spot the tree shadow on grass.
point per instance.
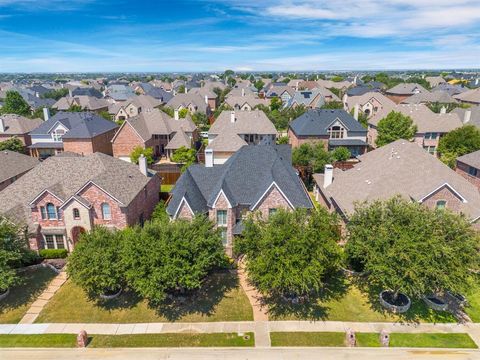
(311, 308)
(32, 284)
(128, 299)
(418, 312)
(202, 301)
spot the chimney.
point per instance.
(175, 114)
(70, 92)
(46, 113)
(467, 116)
(443, 110)
(185, 89)
(208, 157)
(37, 94)
(328, 175)
(206, 99)
(296, 85)
(232, 117)
(355, 111)
(142, 164)
(2, 125)
(243, 92)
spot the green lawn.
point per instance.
(221, 299)
(166, 188)
(473, 308)
(432, 340)
(141, 340)
(41, 340)
(16, 304)
(372, 340)
(346, 302)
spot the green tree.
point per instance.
(228, 73)
(221, 94)
(38, 113)
(138, 150)
(55, 94)
(395, 126)
(171, 257)
(11, 246)
(105, 114)
(231, 82)
(15, 104)
(259, 84)
(275, 103)
(160, 212)
(337, 78)
(332, 105)
(406, 247)
(290, 253)
(282, 140)
(13, 144)
(75, 108)
(341, 153)
(184, 156)
(95, 263)
(182, 113)
(181, 89)
(168, 110)
(458, 142)
(200, 119)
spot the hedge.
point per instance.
(53, 253)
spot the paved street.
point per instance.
(237, 354)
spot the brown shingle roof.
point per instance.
(14, 164)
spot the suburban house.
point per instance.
(14, 165)
(155, 92)
(256, 178)
(430, 126)
(68, 194)
(329, 84)
(12, 125)
(133, 106)
(312, 99)
(451, 89)
(234, 129)
(441, 97)
(245, 102)
(469, 97)
(79, 132)
(154, 129)
(190, 101)
(86, 91)
(333, 128)
(89, 103)
(435, 80)
(402, 91)
(399, 168)
(468, 166)
(285, 93)
(328, 94)
(369, 103)
(118, 92)
(209, 96)
(470, 116)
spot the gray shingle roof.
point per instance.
(316, 122)
(14, 164)
(246, 122)
(472, 159)
(244, 178)
(81, 125)
(406, 89)
(19, 125)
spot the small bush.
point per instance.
(29, 257)
(54, 253)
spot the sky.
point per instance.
(243, 35)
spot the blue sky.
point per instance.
(260, 35)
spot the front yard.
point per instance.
(16, 304)
(221, 299)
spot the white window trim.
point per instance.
(180, 206)
(438, 188)
(266, 192)
(54, 240)
(218, 196)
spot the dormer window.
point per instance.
(58, 134)
(336, 132)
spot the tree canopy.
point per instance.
(15, 104)
(403, 246)
(13, 144)
(458, 142)
(11, 245)
(138, 150)
(55, 94)
(315, 156)
(289, 253)
(332, 105)
(393, 127)
(184, 156)
(95, 263)
(281, 118)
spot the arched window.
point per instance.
(76, 214)
(51, 211)
(336, 132)
(441, 204)
(106, 214)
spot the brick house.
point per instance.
(68, 194)
(333, 128)
(193, 102)
(13, 166)
(430, 126)
(17, 126)
(257, 178)
(133, 107)
(400, 168)
(469, 167)
(79, 132)
(153, 129)
(369, 103)
(402, 91)
(89, 103)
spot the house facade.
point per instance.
(256, 179)
(66, 195)
(469, 167)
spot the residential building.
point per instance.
(88, 103)
(12, 125)
(153, 129)
(209, 96)
(245, 102)
(256, 178)
(69, 194)
(312, 99)
(79, 132)
(118, 92)
(400, 168)
(469, 97)
(133, 106)
(333, 128)
(14, 165)
(86, 91)
(402, 91)
(470, 116)
(439, 96)
(435, 80)
(430, 126)
(469, 167)
(369, 103)
(155, 92)
(234, 129)
(190, 101)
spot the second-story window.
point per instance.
(51, 211)
(441, 204)
(76, 214)
(106, 213)
(472, 171)
(336, 132)
(58, 134)
(222, 217)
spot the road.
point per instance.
(236, 354)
